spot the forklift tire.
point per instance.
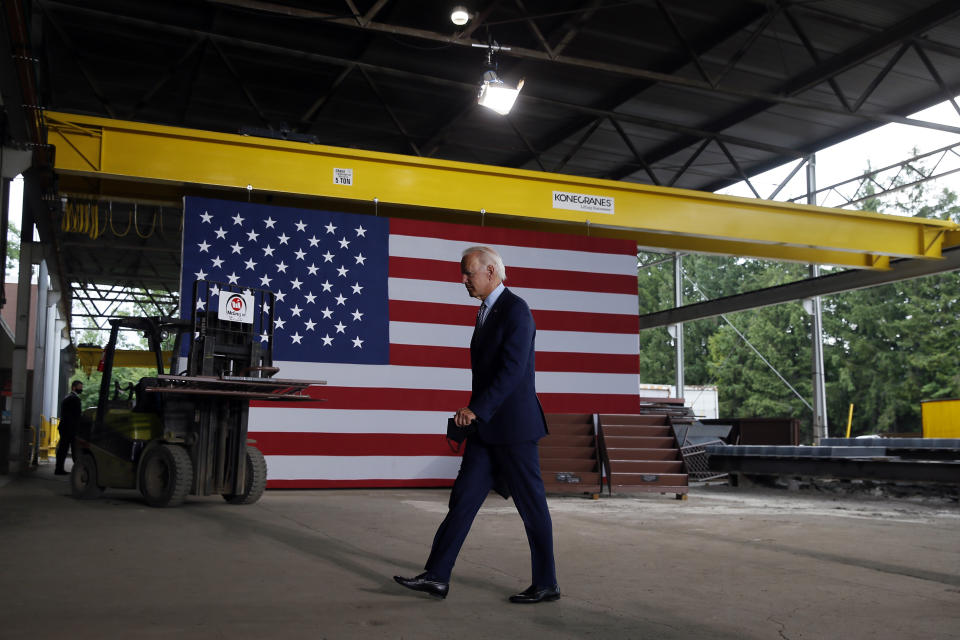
(256, 479)
(83, 478)
(166, 475)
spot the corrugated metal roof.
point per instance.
(688, 93)
(762, 79)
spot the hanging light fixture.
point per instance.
(495, 94)
(459, 16)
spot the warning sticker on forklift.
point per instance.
(236, 307)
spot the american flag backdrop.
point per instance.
(375, 307)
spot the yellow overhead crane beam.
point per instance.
(656, 217)
(89, 358)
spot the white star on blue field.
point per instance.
(327, 271)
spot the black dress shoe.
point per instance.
(61, 472)
(425, 584)
(536, 594)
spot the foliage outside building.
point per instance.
(886, 348)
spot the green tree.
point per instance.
(885, 348)
(656, 293)
(709, 277)
(13, 250)
(748, 386)
(89, 335)
(123, 375)
(890, 347)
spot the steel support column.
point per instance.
(4, 230)
(51, 368)
(816, 328)
(678, 328)
(40, 347)
(51, 378)
(18, 384)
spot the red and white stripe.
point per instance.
(383, 425)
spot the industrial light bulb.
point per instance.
(459, 16)
(496, 95)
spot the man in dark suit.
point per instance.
(70, 412)
(509, 422)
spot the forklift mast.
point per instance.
(210, 414)
(220, 346)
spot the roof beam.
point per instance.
(755, 33)
(571, 28)
(308, 118)
(591, 112)
(877, 79)
(876, 44)
(526, 142)
(942, 11)
(393, 116)
(534, 28)
(195, 47)
(808, 45)
(692, 54)
(885, 183)
(857, 54)
(622, 96)
(240, 83)
(739, 169)
(582, 141)
(72, 50)
(653, 216)
(635, 152)
(364, 20)
(947, 93)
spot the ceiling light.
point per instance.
(496, 95)
(459, 16)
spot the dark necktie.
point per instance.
(480, 314)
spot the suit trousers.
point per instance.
(65, 444)
(519, 465)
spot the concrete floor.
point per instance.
(726, 563)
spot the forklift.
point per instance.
(184, 431)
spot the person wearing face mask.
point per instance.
(70, 412)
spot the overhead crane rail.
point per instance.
(655, 217)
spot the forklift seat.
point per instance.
(146, 401)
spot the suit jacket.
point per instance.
(70, 413)
(504, 396)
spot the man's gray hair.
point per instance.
(489, 256)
